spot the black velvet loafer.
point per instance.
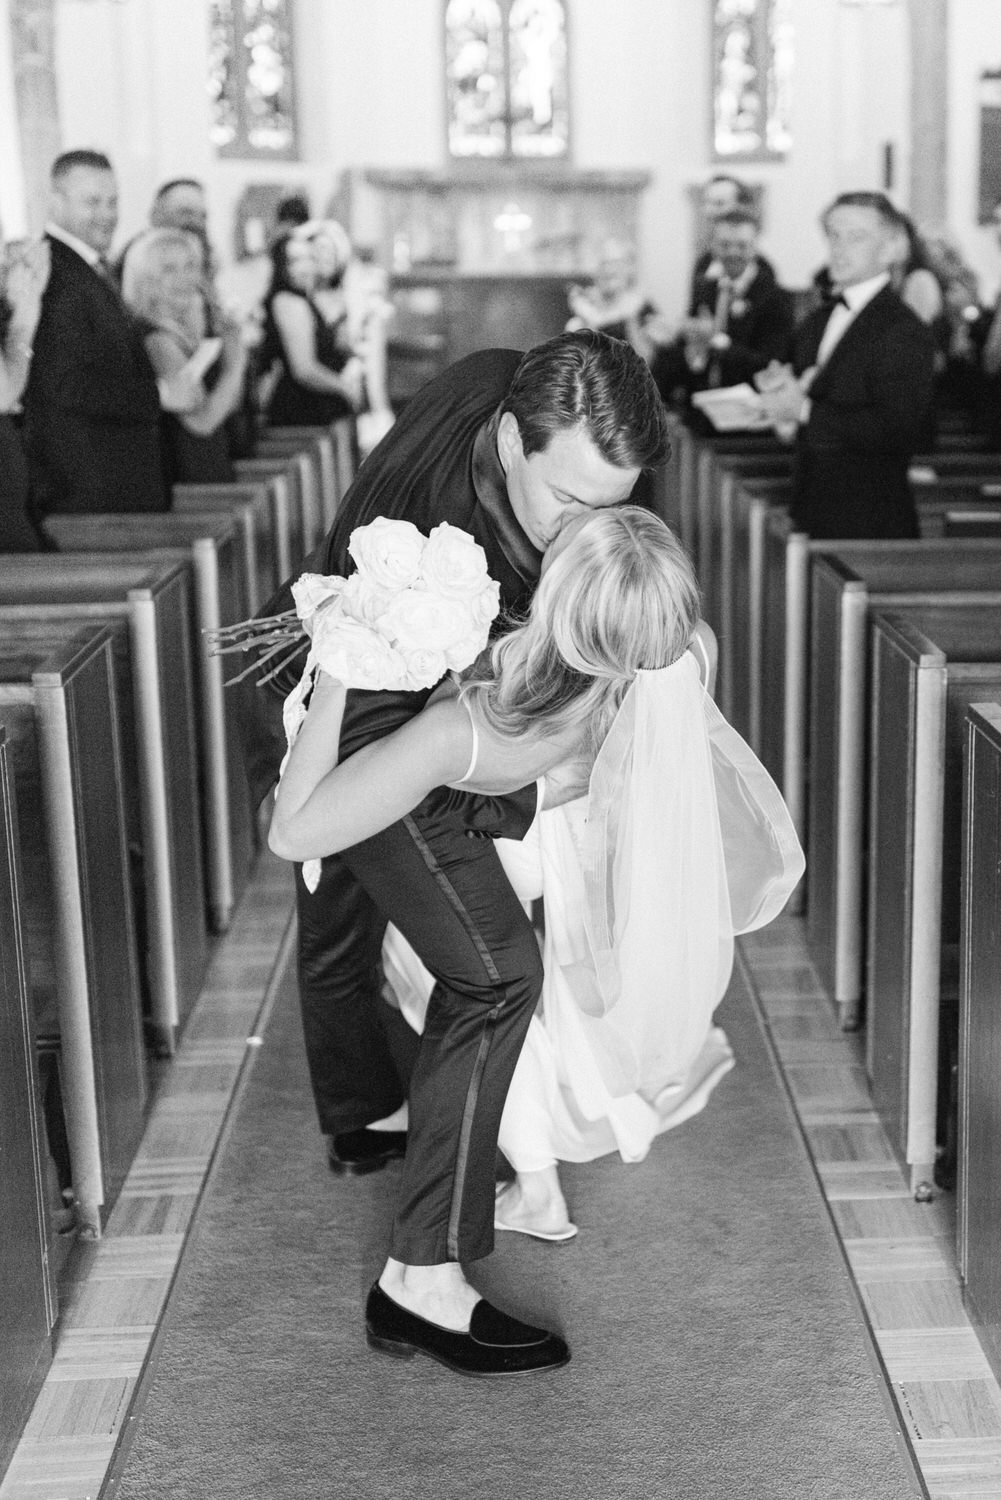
(355, 1152)
(496, 1343)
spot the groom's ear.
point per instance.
(509, 444)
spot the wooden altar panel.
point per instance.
(27, 1298)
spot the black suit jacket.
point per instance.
(759, 326)
(870, 409)
(91, 407)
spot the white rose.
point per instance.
(388, 553)
(357, 655)
(363, 600)
(486, 605)
(313, 592)
(463, 653)
(453, 563)
(425, 667)
(417, 619)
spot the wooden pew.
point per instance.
(27, 1293)
(737, 516)
(148, 609)
(250, 508)
(847, 585)
(59, 711)
(322, 440)
(928, 667)
(305, 452)
(207, 545)
(979, 1185)
(782, 691)
(282, 476)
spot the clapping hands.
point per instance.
(783, 395)
(25, 274)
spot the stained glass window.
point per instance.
(506, 79)
(250, 78)
(752, 78)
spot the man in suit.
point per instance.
(857, 398)
(739, 318)
(507, 447)
(91, 407)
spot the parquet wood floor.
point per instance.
(900, 1253)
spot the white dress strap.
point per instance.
(474, 756)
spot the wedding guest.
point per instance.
(991, 364)
(91, 405)
(613, 302)
(913, 275)
(858, 396)
(320, 377)
(24, 271)
(738, 321)
(508, 448)
(352, 296)
(200, 384)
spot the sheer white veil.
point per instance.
(687, 843)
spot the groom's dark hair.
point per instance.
(588, 379)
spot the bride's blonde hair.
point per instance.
(617, 595)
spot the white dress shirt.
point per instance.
(86, 252)
(844, 313)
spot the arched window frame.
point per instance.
(508, 151)
(754, 123)
(235, 30)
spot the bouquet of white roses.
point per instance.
(416, 608)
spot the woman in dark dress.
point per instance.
(24, 271)
(200, 378)
(320, 377)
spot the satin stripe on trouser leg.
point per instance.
(450, 898)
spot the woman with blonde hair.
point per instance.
(683, 841)
(200, 377)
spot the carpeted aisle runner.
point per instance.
(717, 1350)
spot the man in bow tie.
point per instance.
(91, 406)
(857, 397)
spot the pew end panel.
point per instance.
(27, 1292)
(208, 546)
(928, 666)
(846, 585)
(282, 478)
(158, 738)
(248, 506)
(321, 440)
(303, 453)
(979, 1186)
(61, 716)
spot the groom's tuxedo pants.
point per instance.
(448, 895)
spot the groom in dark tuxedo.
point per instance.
(91, 406)
(857, 399)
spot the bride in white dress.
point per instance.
(623, 1046)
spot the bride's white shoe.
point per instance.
(567, 1232)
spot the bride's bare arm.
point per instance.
(322, 807)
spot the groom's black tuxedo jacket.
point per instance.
(870, 409)
(91, 407)
(437, 463)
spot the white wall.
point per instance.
(13, 199)
(132, 79)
